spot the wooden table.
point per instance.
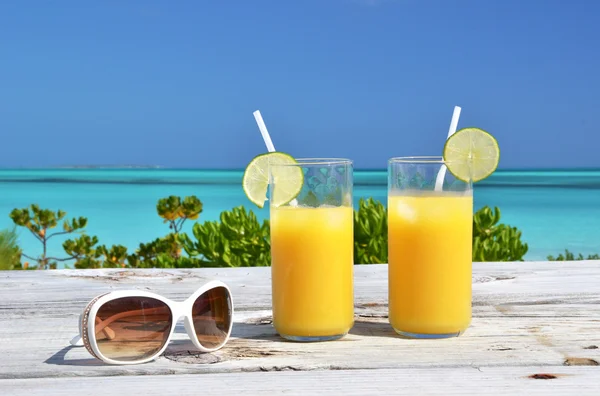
(536, 330)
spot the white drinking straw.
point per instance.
(439, 181)
(267, 138)
(263, 131)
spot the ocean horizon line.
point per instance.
(570, 178)
(167, 168)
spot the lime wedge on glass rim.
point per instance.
(471, 154)
(289, 179)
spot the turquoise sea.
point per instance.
(555, 209)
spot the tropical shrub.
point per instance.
(40, 221)
(237, 240)
(176, 211)
(166, 252)
(10, 254)
(113, 257)
(568, 256)
(83, 249)
(493, 241)
(370, 233)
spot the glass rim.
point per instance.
(317, 161)
(424, 159)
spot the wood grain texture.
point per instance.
(427, 381)
(542, 317)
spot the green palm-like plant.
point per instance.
(238, 240)
(40, 222)
(10, 253)
(493, 241)
(569, 256)
(370, 233)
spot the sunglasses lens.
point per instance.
(211, 314)
(132, 328)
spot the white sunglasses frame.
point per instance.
(178, 310)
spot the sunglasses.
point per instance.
(132, 327)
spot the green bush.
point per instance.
(40, 221)
(370, 233)
(493, 241)
(166, 252)
(82, 250)
(176, 211)
(568, 256)
(10, 254)
(237, 240)
(113, 257)
(163, 252)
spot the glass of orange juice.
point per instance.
(430, 227)
(312, 253)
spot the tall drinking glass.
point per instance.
(312, 253)
(429, 248)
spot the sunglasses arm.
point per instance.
(77, 340)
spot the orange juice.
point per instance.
(312, 270)
(430, 242)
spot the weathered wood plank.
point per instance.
(525, 314)
(427, 381)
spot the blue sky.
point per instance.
(174, 83)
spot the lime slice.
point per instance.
(471, 154)
(288, 179)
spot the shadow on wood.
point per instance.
(373, 329)
(59, 358)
